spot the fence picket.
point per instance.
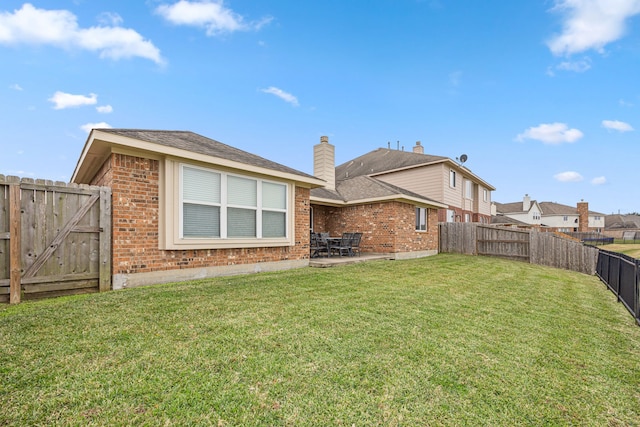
(55, 239)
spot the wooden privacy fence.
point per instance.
(55, 239)
(526, 245)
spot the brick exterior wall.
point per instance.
(583, 217)
(459, 216)
(386, 227)
(135, 207)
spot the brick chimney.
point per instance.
(583, 216)
(324, 162)
(418, 148)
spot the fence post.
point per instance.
(15, 253)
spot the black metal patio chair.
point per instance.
(343, 246)
(355, 243)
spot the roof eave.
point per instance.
(83, 170)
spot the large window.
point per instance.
(220, 205)
(421, 219)
(468, 189)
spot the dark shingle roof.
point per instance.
(501, 219)
(195, 143)
(382, 160)
(365, 187)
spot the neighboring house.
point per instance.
(185, 206)
(465, 196)
(616, 225)
(552, 216)
(393, 220)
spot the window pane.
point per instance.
(421, 219)
(273, 224)
(200, 221)
(242, 191)
(274, 196)
(241, 222)
(200, 185)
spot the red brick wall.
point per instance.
(134, 184)
(386, 227)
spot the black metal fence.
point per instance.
(591, 238)
(621, 274)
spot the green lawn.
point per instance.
(447, 340)
(631, 249)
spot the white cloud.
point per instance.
(59, 28)
(617, 125)
(66, 100)
(591, 24)
(88, 126)
(213, 16)
(624, 103)
(104, 109)
(599, 180)
(551, 133)
(282, 95)
(16, 86)
(575, 66)
(568, 176)
(109, 18)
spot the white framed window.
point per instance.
(452, 178)
(421, 219)
(565, 218)
(467, 218)
(221, 205)
(485, 195)
(451, 215)
(468, 189)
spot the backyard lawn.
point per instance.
(448, 340)
(631, 249)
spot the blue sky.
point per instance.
(543, 96)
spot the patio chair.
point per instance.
(355, 243)
(343, 246)
(318, 245)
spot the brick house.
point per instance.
(392, 219)
(185, 207)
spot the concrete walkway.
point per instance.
(324, 262)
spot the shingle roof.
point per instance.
(547, 208)
(502, 219)
(622, 221)
(193, 142)
(365, 187)
(382, 160)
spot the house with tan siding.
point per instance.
(466, 197)
(551, 216)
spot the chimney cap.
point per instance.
(324, 139)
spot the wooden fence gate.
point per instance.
(55, 239)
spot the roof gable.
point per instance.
(386, 160)
(383, 160)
